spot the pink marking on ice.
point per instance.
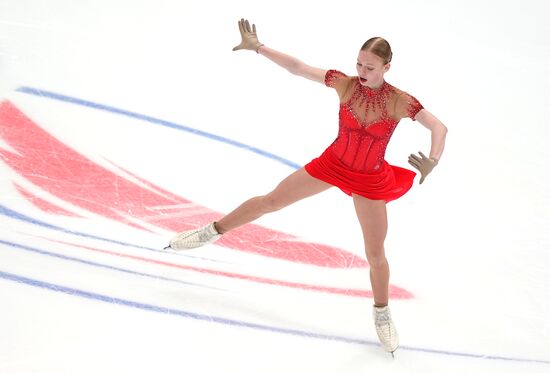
(43, 204)
(394, 291)
(61, 171)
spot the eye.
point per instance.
(370, 68)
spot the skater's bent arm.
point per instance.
(438, 129)
(293, 65)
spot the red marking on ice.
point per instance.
(394, 291)
(43, 204)
(61, 171)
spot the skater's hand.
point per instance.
(249, 39)
(423, 164)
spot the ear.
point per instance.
(387, 67)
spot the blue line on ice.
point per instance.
(235, 323)
(95, 264)
(19, 216)
(111, 109)
(27, 219)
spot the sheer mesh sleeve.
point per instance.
(333, 77)
(339, 81)
(407, 106)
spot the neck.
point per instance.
(373, 85)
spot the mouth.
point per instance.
(362, 80)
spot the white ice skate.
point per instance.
(194, 238)
(385, 328)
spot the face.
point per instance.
(371, 69)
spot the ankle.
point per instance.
(217, 228)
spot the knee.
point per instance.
(270, 203)
(376, 257)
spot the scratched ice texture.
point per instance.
(123, 122)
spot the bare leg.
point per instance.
(373, 218)
(296, 186)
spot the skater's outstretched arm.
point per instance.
(293, 65)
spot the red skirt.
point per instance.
(387, 183)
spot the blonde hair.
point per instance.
(379, 47)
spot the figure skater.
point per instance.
(370, 109)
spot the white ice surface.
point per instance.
(471, 244)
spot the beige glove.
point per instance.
(425, 165)
(249, 39)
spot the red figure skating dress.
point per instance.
(354, 162)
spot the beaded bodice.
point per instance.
(368, 118)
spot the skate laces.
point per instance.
(385, 328)
(206, 233)
(382, 317)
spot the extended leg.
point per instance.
(296, 186)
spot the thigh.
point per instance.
(373, 219)
(296, 186)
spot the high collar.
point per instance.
(383, 90)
